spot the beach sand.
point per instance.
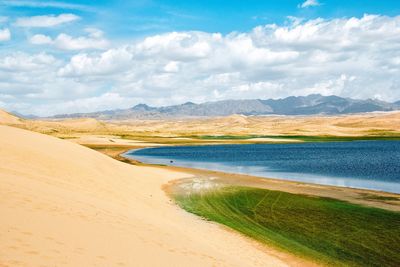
(63, 204)
(371, 198)
(365, 197)
(365, 124)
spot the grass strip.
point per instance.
(330, 231)
(303, 138)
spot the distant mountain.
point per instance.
(8, 118)
(300, 105)
(23, 116)
(331, 105)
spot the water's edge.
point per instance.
(377, 185)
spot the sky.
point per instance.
(61, 57)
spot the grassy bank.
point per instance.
(304, 138)
(330, 231)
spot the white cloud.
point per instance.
(45, 21)
(22, 62)
(354, 57)
(63, 41)
(178, 45)
(46, 4)
(40, 39)
(310, 3)
(5, 35)
(109, 62)
(172, 66)
(104, 101)
(67, 42)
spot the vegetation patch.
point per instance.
(303, 138)
(382, 198)
(330, 231)
(228, 137)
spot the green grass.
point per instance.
(227, 137)
(304, 138)
(382, 198)
(332, 232)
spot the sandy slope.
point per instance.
(7, 118)
(378, 123)
(65, 205)
(108, 140)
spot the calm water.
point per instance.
(364, 164)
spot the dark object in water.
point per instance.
(362, 164)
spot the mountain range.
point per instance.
(294, 105)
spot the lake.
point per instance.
(359, 164)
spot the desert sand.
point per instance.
(208, 178)
(367, 124)
(7, 118)
(63, 204)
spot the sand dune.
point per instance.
(347, 125)
(65, 205)
(7, 118)
(366, 124)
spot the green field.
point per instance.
(304, 138)
(332, 232)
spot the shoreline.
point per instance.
(204, 181)
(114, 209)
(115, 214)
(289, 259)
(384, 180)
(367, 197)
(371, 198)
(82, 189)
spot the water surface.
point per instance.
(360, 164)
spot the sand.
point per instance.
(365, 124)
(273, 140)
(107, 140)
(7, 118)
(371, 198)
(63, 204)
(383, 123)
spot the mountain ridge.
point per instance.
(314, 104)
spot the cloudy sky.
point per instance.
(77, 56)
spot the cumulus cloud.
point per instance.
(106, 101)
(45, 21)
(5, 35)
(67, 42)
(45, 4)
(354, 57)
(63, 41)
(172, 66)
(107, 63)
(22, 62)
(309, 3)
(178, 45)
(23, 75)
(40, 39)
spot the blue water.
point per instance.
(360, 164)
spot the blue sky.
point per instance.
(92, 55)
(126, 19)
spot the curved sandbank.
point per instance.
(367, 197)
(371, 165)
(63, 204)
